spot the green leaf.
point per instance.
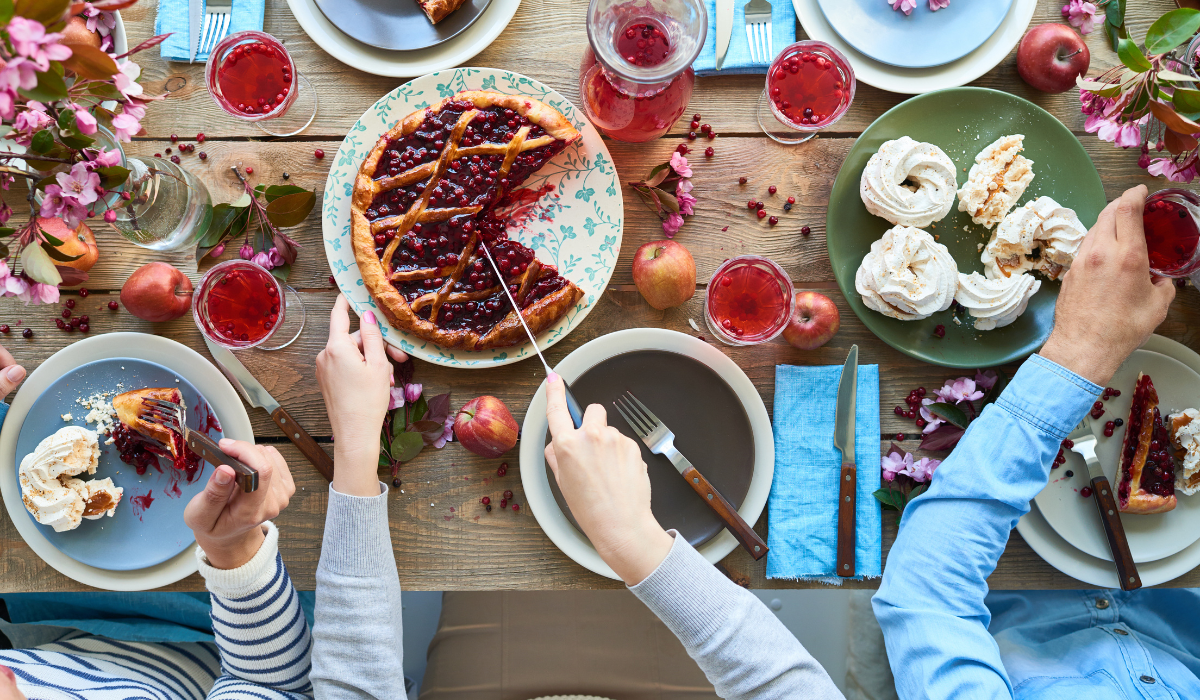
(243, 201)
(1186, 100)
(384, 459)
(58, 255)
(281, 272)
(44, 11)
(105, 91)
(76, 141)
(50, 88)
(1114, 13)
(42, 142)
(1177, 77)
(90, 62)
(6, 11)
(3, 250)
(6, 232)
(950, 413)
(112, 176)
(1132, 56)
(398, 425)
(36, 263)
(291, 209)
(1171, 30)
(274, 192)
(50, 238)
(419, 409)
(66, 119)
(406, 446)
(668, 201)
(890, 498)
(658, 174)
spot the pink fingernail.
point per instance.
(222, 477)
(551, 378)
(369, 317)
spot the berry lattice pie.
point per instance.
(1146, 480)
(130, 435)
(424, 203)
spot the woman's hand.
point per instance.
(11, 373)
(355, 377)
(227, 521)
(603, 478)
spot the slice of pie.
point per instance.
(424, 203)
(1146, 479)
(131, 433)
(1185, 440)
(438, 10)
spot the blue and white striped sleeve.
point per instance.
(259, 627)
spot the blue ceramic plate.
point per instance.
(920, 40)
(133, 538)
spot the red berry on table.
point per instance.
(174, 138)
(485, 500)
(695, 117)
(84, 327)
(706, 128)
(203, 155)
(712, 135)
(332, 280)
(791, 200)
(175, 160)
(200, 137)
(804, 230)
(772, 189)
(27, 333)
(939, 331)
(397, 483)
(694, 125)
(60, 323)
(158, 155)
(709, 152)
(83, 293)
(69, 303)
(762, 213)
(66, 313)
(682, 148)
(503, 503)
(773, 220)
(249, 170)
(507, 494)
(516, 507)
(319, 154)
(4, 328)
(899, 437)
(691, 136)
(741, 180)
(167, 150)
(112, 306)
(899, 410)
(762, 205)
(752, 204)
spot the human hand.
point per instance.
(1108, 304)
(603, 478)
(355, 377)
(11, 373)
(228, 522)
(8, 685)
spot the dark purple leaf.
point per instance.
(287, 247)
(71, 276)
(896, 449)
(404, 373)
(439, 408)
(944, 438)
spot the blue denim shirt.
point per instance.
(948, 638)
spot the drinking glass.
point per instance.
(1172, 222)
(242, 67)
(632, 88)
(168, 209)
(748, 301)
(237, 305)
(810, 85)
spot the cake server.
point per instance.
(256, 395)
(843, 439)
(572, 405)
(1084, 439)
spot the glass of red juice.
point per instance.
(252, 77)
(636, 76)
(1171, 219)
(748, 301)
(239, 304)
(810, 85)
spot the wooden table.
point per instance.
(442, 537)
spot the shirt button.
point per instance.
(1120, 631)
(1102, 603)
(1148, 679)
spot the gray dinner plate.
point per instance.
(398, 25)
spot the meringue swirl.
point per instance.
(996, 181)
(929, 172)
(50, 493)
(995, 303)
(1041, 224)
(907, 275)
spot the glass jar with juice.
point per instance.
(748, 301)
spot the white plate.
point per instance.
(1075, 519)
(402, 64)
(181, 359)
(533, 437)
(1058, 553)
(913, 81)
(576, 227)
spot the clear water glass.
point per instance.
(169, 208)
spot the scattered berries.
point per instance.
(1068, 443)
(762, 213)
(503, 503)
(1086, 492)
(682, 149)
(709, 152)
(507, 494)
(203, 155)
(286, 176)
(66, 313)
(396, 483)
(691, 136)
(489, 508)
(791, 200)
(249, 170)
(503, 469)
(939, 331)
(1119, 422)
(804, 230)
(4, 328)
(1109, 427)
(741, 180)
(705, 128)
(318, 154)
(200, 137)
(695, 117)
(773, 220)
(694, 125)
(516, 507)
(175, 160)
(27, 333)
(899, 437)
(69, 303)
(112, 306)
(712, 135)
(83, 293)
(485, 500)
(752, 204)
(772, 189)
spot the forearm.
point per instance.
(358, 649)
(740, 645)
(931, 601)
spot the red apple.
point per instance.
(1051, 56)
(815, 319)
(485, 427)
(664, 273)
(157, 292)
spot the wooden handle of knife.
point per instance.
(1127, 572)
(740, 529)
(312, 451)
(847, 534)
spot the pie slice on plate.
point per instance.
(425, 203)
(1146, 478)
(131, 435)
(438, 10)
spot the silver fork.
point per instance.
(661, 441)
(758, 30)
(170, 415)
(216, 24)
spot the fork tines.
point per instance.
(216, 25)
(637, 415)
(758, 30)
(162, 412)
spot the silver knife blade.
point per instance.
(240, 377)
(724, 29)
(195, 7)
(1084, 437)
(843, 426)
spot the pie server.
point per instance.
(1084, 439)
(572, 404)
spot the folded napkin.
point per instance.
(737, 61)
(174, 17)
(803, 507)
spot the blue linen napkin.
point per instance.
(803, 507)
(737, 61)
(173, 16)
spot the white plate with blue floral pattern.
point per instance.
(575, 226)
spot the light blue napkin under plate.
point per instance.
(173, 16)
(803, 507)
(737, 61)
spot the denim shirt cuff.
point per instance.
(1049, 396)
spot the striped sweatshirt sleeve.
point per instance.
(259, 627)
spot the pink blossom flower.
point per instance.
(19, 73)
(29, 39)
(932, 421)
(672, 224)
(98, 20)
(104, 158)
(56, 202)
(8, 103)
(84, 121)
(936, 5)
(80, 183)
(447, 432)
(10, 285)
(905, 6)
(39, 293)
(396, 398)
(1175, 172)
(274, 256)
(29, 122)
(412, 392)
(893, 463)
(922, 470)
(680, 165)
(986, 379)
(246, 252)
(1080, 14)
(959, 390)
(683, 194)
(126, 80)
(263, 260)
(125, 126)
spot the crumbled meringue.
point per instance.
(1185, 438)
(48, 488)
(996, 181)
(1042, 225)
(909, 183)
(907, 275)
(995, 303)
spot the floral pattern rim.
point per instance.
(576, 225)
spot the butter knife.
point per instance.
(724, 29)
(256, 395)
(195, 8)
(843, 439)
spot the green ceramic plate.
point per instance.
(962, 121)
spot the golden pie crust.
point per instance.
(438, 10)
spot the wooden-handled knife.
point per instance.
(843, 439)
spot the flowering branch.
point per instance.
(667, 190)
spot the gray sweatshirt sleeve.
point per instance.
(743, 649)
(358, 644)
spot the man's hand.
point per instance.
(228, 522)
(11, 373)
(1108, 304)
(605, 483)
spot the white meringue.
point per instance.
(929, 195)
(1186, 437)
(50, 493)
(1041, 225)
(996, 181)
(995, 303)
(907, 275)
